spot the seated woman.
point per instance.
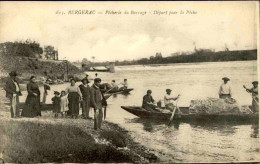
(148, 102)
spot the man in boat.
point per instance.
(113, 85)
(225, 89)
(169, 101)
(96, 103)
(124, 85)
(255, 98)
(148, 102)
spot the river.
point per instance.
(185, 142)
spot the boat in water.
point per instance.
(119, 91)
(186, 116)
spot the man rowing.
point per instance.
(169, 100)
(114, 86)
(225, 89)
(255, 98)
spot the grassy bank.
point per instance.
(48, 139)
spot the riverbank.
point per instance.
(49, 139)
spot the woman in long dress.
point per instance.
(74, 97)
(32, 103)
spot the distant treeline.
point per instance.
(197, 56)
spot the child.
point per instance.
(63, 103)
(56, 100)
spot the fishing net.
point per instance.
(215, 106)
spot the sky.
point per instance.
(130, 36)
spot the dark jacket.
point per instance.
(11, 89)
(147, 99)
(85, 92)
(33, 88)
(95, 97)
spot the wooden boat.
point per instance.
(120, 91)
(142, 113)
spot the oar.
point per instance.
(111, 88)
(252, 96)
(173, 112)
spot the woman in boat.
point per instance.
(74, 97)
(255, 98)
(32, 103)
(148, 101)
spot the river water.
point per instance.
(185, 142)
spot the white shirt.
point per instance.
(16, 86)
(225, 89)
(125, 84)
(166, 101)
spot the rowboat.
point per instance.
(186, 116)
(120, 91)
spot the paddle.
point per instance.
(111, 88)
(173, 112)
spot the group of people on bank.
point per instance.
(225, 92)
(66, 103)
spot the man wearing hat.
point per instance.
(85, 90)
(225, 89)
(96, 103)
(255, 98)
(13, 92)
(169, 100)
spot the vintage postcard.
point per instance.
(129, 82)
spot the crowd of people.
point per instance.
(67, 103)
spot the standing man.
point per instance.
(169, 100)
(225, 89)
(96, 103)
(255, 97)
(46, 87)
(13, 92)
(85, 90)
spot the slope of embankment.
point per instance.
(26, 67)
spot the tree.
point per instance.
(26, 48)
(50, 53)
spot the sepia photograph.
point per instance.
(129, 82)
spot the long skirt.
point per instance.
(32, 106)
(85, 107)
(73, 99)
